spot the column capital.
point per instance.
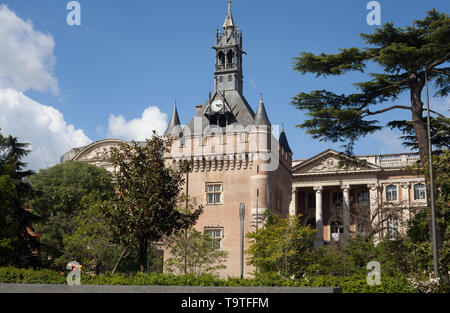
(345, 186)
(318, 188)
(373, 186)
(405, 184)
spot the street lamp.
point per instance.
(241, 216)
(433, 213)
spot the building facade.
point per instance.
(237, 160)
(235, 157)
(375, 197)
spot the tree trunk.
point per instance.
(142, 254)
(121, 257)
(420, 127)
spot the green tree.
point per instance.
(194, 253)
(7, 238)
(62, 196)
(143, 207)
(15, 219)
(420, 224)
(283, 246)
(405, 55)
(439, 131)
(332, 260)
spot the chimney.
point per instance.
(198, 108)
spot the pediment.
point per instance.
(97, 151)
(329, 161)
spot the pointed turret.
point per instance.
(284, 142)
(261, 114)
(174, 127)
(229, 18)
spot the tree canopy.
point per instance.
(407, 58)
(18, 242)
(61, 193)
(143, 208)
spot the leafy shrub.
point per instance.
(30, 276)
(350, 284)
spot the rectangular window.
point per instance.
(363, 199)
(393, 226)
(216, 234)
(213, 193)
(419, 192)
(337, 199)
(391, 193)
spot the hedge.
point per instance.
(350, 284)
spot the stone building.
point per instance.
(236, 159)
(235, 156)
(339, 201)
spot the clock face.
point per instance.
(217, 105)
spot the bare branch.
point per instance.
(437, 62)
(368, 112)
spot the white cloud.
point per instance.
(26, 62)
(26, 55)
(390, 141)
(140, 128)
(42, 126)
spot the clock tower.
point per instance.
(234, 155)
(228, 67)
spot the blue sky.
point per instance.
(128, 56)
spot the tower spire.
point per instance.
(174, 127)
(229, 18)
(261, 117)
(228, 68)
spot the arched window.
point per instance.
(419, 191)
(391, 193)
(230, 57)
(221, 58)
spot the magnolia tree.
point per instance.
(143, 208)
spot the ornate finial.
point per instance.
(229, 18)
(282, 126)
(260, 95)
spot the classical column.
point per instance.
(293, 205)
(346, 209)
(319, 216)
(374, 212)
